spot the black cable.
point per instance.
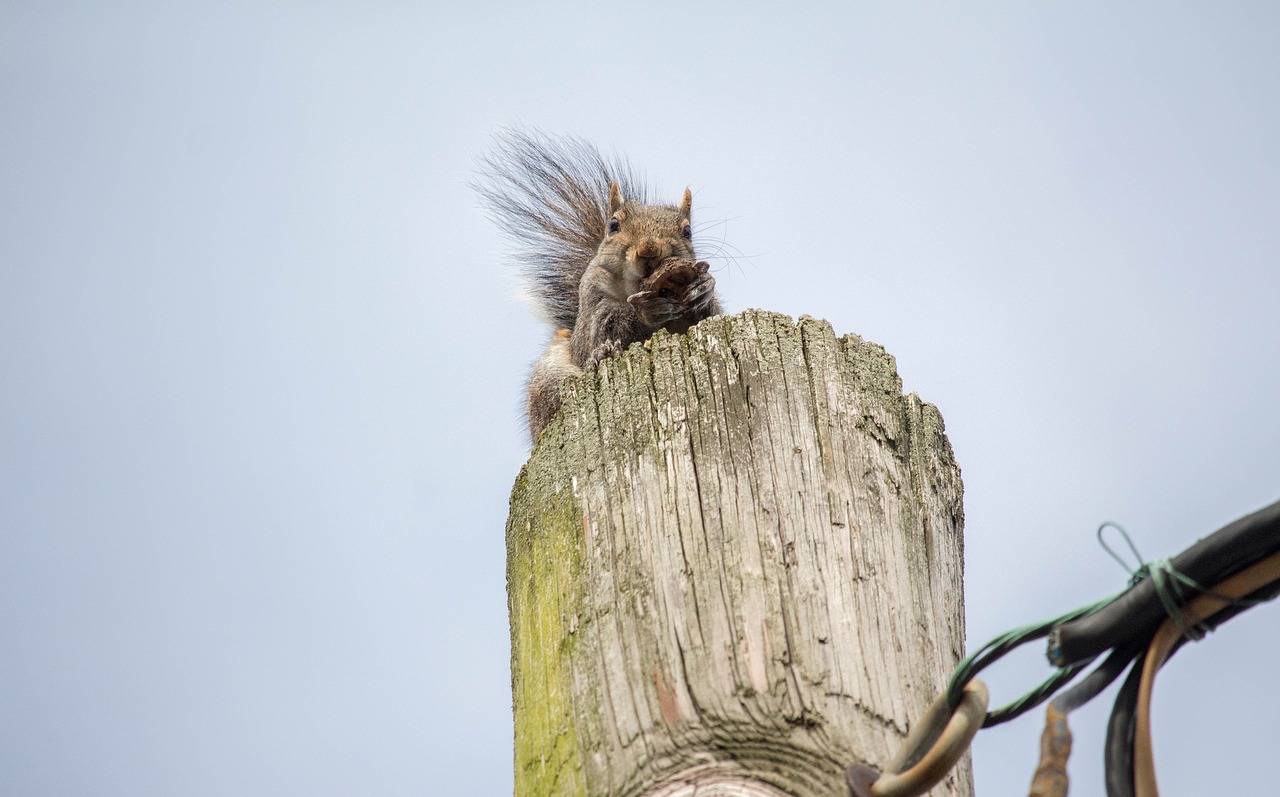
(1118, 753)
(1094, 682)
(1137, 613)
(1118, 748)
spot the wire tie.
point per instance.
(1172, 587)
(1136, 573)
(1176, 588)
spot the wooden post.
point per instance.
(734, 566)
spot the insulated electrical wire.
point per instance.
(1093, 683)
(1257, 576)
(1136, 614)
(1165, 605)
(1129, 762)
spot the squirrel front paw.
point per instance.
(606, 349)
(678, 290)
(655, 309)
(700, 295)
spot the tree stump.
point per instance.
(734, 565)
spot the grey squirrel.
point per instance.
(607, 267)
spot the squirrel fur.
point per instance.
(595, 253)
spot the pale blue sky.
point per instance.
(263, 359)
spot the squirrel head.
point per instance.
(638, 237)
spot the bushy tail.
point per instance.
(550, 194)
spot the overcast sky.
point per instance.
(262, 359)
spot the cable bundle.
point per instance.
(1168, 603)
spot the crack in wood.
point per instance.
(767, 586)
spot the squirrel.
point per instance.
(607, 267)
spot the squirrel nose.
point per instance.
(648, 253)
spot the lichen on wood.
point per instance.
(734, 565)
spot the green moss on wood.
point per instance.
(545, 600)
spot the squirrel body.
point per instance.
(608, 268)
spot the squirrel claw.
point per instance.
(702, 286)
(606, 349)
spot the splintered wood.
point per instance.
(734, 567)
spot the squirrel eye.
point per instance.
(614, 225)
(686, 231)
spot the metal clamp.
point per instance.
(930, 751)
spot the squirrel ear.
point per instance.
(686, 205)
(615, 198)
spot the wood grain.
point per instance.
(734, 567)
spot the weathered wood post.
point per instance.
(734, 564)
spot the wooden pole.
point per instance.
(734, 566)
